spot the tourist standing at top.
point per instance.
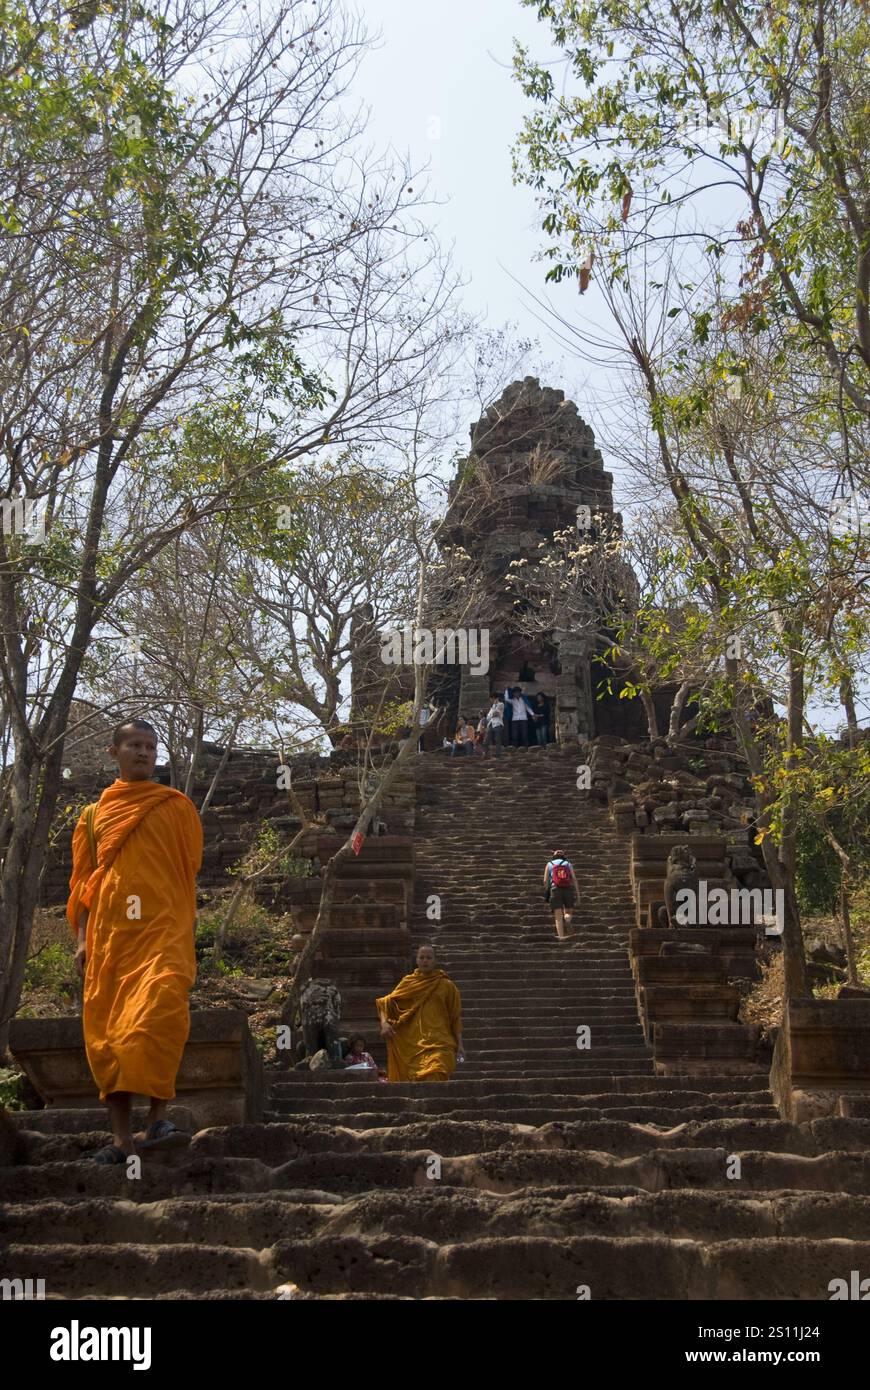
(561, 890)
(494, 725)
(522, 714)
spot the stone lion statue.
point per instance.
(681, 873)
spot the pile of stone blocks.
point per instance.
(654, 788)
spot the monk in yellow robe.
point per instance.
(421, 1020)
(132, 905)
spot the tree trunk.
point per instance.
(305, 963)
(845, 914)
(221, 765)
(794, 958)
(34, 803)
(848, 939)
(847, 700)
(195, 751)
(245, 881)
(649, 705)
(677, 711)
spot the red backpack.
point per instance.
(560, 875)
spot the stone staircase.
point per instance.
(542, 1171)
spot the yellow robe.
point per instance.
(427, 1017)
(139, 969)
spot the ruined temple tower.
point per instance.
(532, 464)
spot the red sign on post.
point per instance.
(356, 843)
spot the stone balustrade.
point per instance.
(220, 1080)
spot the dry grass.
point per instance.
(50, 926)
(543, 468)
(763, 1004)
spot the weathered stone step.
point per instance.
(581, 981)
(580, 1063)
(340, 1104)
(568, 964)
(480, 1000)
(505, 1266)
(532, 1056)
(543, 1035)
(582, 948)
(510, 1020)
(504, 1171)
(562, 1082)
(277, 1144)
(96, 1270)
(519, 866)
(525, 1114)
(572, 988)
(558, 1013)
(257, 1222)
(85, 1120)
(562, 1005)
(539, 1050)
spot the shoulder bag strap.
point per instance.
(90, 812)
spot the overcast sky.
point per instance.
(440, 87)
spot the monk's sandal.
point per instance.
(110, 1154)
(164, 1135)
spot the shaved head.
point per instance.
(134, 748)
(119, 729)
(425, 959)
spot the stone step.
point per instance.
(579, 980)
(579, 1061)
(278, 1144)
(524, 1113)
(508, 1016)
(90, 1119)
(546, 1048)
(339, 1103)
(249, 1221)
(583, 946)
(563, 1083)
(543, 1032)
(480, 1000)
(505, 1171)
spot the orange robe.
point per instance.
(139, 969)
(426, 1013)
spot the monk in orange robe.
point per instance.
(421, 1020)
(132, 905)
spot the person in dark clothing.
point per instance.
(541, 718)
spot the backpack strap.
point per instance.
(90, 812)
